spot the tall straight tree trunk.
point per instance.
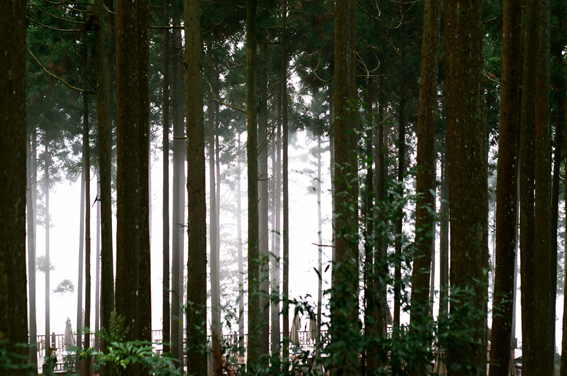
(31, 233)
(401, 111)
(263, 199)
(545, 261)
(165, 199)
(507, 190)
(344, 293)
(444, 237)
(379, 311)
(178, 212)
(558, 151)
(285, 189)
(105, 165)
(144, 277)
(128, 173)
(240, 257)
(97, 266)
(320, 241)
(197, 229)
(530, 364)
(87, 219)
(563, 371)
(81, 266)
(47, 184)
(214, 246)
(425, 186)
(467, 153)
(252, 173)
(368, 231)
(276, 269)
(13, 302)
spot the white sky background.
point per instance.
(64, 204)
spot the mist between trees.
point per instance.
(413, 168)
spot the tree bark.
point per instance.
(344, 293)
(252, 172)
(165, 200)
(426, 184)
(128, 173)
(545, 261)
(285, 189)
(13, 302)
(87, 219)
(466, 146)
(506, 192)
(276, 268)
(264, 234)
(31, 234)
(105, 166)
(47, 185)
(144, 276)
(527, 173)
(240, 258)
(214, 246)
(178, 212)
(81, 267)
(444, 237)
(197, 228)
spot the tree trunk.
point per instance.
(368, 232)
(105, 167)
(545, 261)
(401, 111)
(87, 219)
(564, 328)
(165, 202)
(285, 189)
(31, 221)
(47, 184)
(214, 250)
(426, 184)
(13, 302)
(197, 228)
(444, 237)
(320, 241)
(240, 258)
(530, 364)
(506, 191)
(97, 265)
(80, 316)
(178, 220)
(128, 170)
(144, 276)
(344, 293)
(252, 172)
(467, 145)
(264, 234)
(276, 269)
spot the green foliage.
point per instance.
(12, 361)
(121, 353)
